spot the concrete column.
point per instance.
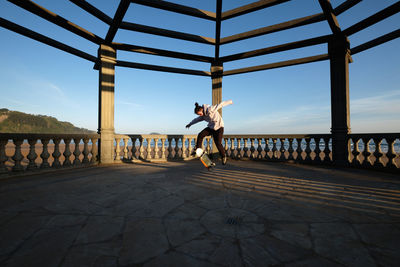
(339, 53)
(107, 56)
(216, 79)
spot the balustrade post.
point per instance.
(134, 149)
(252, 148)
(107, 56)
(378, 154)
(299, 150)
(266, 149)
(274, 149)
(17, 156)
(56, 153)
(184, 155)
(94, 152)
(327, 158)
(226, 147)
(282, 150)
(208, 145)
(117, 150)
(391, 155)
(156, 156)
(45, 154)
(245, 148)
(170, 148)
(290, 149)
(148, 155)
(3, 157)
(126, 157)
(85, 151)
(141, 148)
(317, 151)
(259, 148)
(356, 152)
(32, 154)
(67, 153)
(366, 154)
(232, 148)
(239, 149)
(190, 148)
(176, 148)
(163, 148)
(77, 151)
(339, 54)
(308, 150)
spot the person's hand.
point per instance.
(187, 126)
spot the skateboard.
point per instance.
(205, 159)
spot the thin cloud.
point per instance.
(135, 105)
(56, 89)
(386, 104)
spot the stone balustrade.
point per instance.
(375, 151)
(291, 148)
(299, 148)
(156, 147)
(19, 152)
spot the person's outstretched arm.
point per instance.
(221, 105)
(194, 121)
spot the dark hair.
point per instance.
(197, 107)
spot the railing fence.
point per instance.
(27, 152)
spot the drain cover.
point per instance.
(233, 220)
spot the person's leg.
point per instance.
(205, 132)
(217, 135)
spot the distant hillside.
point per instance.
(19, 122)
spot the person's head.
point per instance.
(198, 109)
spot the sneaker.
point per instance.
(224, 159)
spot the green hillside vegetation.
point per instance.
(19, 122)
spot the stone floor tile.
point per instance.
(254, 252)
(182, 231)
(100, 228)
(228, 253)
(202, 247)
(143, 239)
(46, 248)
(6, 216)
(296, 234)
(64, 220)
(187, 211)
(174, 259)
(213, 202)
(121, 208)
(382, 240)
(277, 249)
(98, 254)
(233, 223)
(314, 261)
(157, 208)
(338, 241)
(14, 233)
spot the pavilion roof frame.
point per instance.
(329, 14)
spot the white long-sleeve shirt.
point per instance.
(212, 116)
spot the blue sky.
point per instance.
(39, 79)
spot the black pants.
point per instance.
(217, 136)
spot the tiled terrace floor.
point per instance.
(180, 214)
